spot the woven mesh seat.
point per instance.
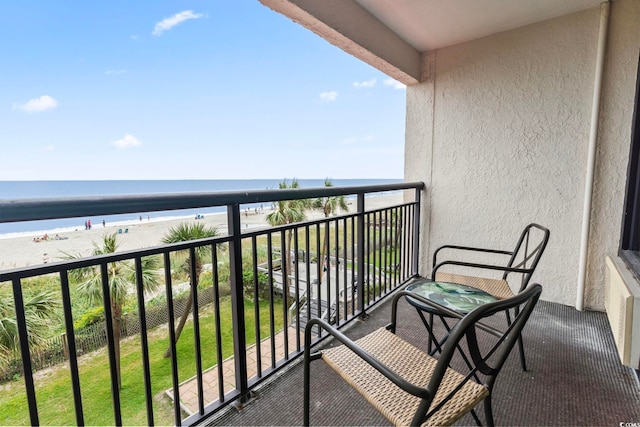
(499, 288)
(403, 358)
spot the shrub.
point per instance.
(90, 317)
(248, 285)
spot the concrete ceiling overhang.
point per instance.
(392, 35)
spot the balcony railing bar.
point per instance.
(345, 268)
(297, 288)
(108, 315)
(74, 207)
(285, 265)
(307, 257)
(405, 218)
(360, 249)
(272, 318)
(24, 347)
(237, 301)
(146, 367)
(196, 328)
(256, 304)
(319, 264)
(71, 340)
(216, 307)
(396, 242)
(337, 270)
(393, 257)
(353, 266)
(326, 270)
(172, 338)
(416, 228)
(381, 255)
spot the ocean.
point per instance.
(10, 190)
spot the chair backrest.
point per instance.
(526, 255)
(487, 356)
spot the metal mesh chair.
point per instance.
(408, 386)
(520, 263)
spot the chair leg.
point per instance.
(306, 380)
(488, 410)
(523, 361)
(430, 328)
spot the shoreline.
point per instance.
(24, 250)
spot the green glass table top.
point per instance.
(461, 298)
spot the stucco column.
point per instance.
(419, 145)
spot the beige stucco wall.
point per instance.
(499, 134)
(618, 94)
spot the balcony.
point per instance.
(256, 289)
(242, 345)
(574, 378)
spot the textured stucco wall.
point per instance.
(618, 92)
(419, 143)
(505, 120)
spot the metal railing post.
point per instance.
(26, 354)
(360, 251)
(237, 303)
(416, 235)
(111, 345)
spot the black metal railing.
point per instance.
(267, 284)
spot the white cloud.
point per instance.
(37, 105)
(394, 84)
(48, 148)
(367, 83)
(356, 140)
(178, 18)
(127, 142)
(114, 72)
(329, 96)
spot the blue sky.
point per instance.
(187, 90)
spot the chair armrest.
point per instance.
(375, 363)
(468, 248)
(480, 266)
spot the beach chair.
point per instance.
(410, 387)
(517, 265)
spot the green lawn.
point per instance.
(55, 396)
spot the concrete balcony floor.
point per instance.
(574, 378)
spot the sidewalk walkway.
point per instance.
(189, 388)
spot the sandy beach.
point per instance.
(24, 251)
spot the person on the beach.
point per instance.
(104, 224)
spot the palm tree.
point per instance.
(329, 206)
(182, 233)
(122, 278)
(288, 212)
(40, 310)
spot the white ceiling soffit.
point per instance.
(433, 24)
